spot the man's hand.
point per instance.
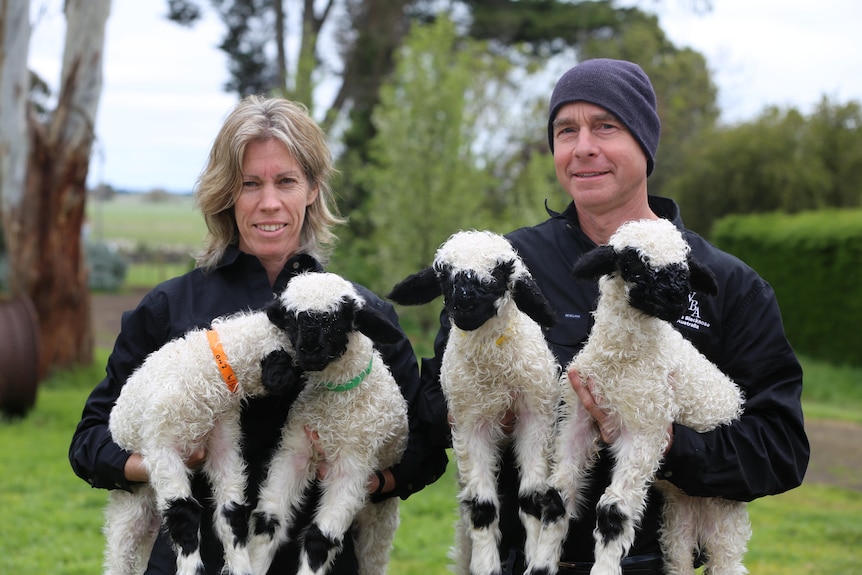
(608, 428)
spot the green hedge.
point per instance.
(814, 262)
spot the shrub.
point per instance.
(106, 266)
(813, 261)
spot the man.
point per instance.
(603, 129)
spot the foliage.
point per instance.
(821, 317)
(106, 267)
(54, 519)
(423, 180)
(425, 177)
(780, 161)
(547, 27)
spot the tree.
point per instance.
(45, 170)
(781, 161)
(424, 177)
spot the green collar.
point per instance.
(332, 386)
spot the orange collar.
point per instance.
(222, 363)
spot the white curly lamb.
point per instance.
(646, 375)
(496, 362)
(187, 395)
(356, 408)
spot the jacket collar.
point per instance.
(235, 258)
(663, 207)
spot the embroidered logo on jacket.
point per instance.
(692, 318)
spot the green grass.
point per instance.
(51, 520)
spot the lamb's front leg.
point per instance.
(226, 469)
(636, 459)
(290, 474)
(343, 494)
(477, 452)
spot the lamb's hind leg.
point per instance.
(226, 470)
(290, 474)
(679, 525)
(478, 459)
(575, 450)
(343, 494)
(180, 511)
(532, 443)
(376, 524)
(131, 526)
(620, 508)
(725, 530)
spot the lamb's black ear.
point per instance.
(417, 289)
(702, 278)
(530, 300)
(375, 325)
(597, 262)
(276, 313)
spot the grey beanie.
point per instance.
(620, 87)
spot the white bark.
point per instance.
(81, 76)
(14, 91)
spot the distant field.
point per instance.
(139, 224)
(171, 221)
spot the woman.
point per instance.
(266, 199)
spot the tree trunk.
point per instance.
(14, 90)
(46, 253)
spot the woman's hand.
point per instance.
(379, 482)
(137, 472)
(375, 487)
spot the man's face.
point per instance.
(598, 161)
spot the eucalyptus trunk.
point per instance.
(44, 212)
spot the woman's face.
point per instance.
(271, 207)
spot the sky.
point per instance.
(162, 99)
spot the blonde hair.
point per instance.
(220, 183)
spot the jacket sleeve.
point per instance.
(94, 456)
(766, 451)
(424, 461)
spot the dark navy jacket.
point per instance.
(191, 301)
(766, 452)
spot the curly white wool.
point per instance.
(175, 403)
(361, 429)
(646, 376)
(502, 367)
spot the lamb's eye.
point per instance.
(632, 267)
